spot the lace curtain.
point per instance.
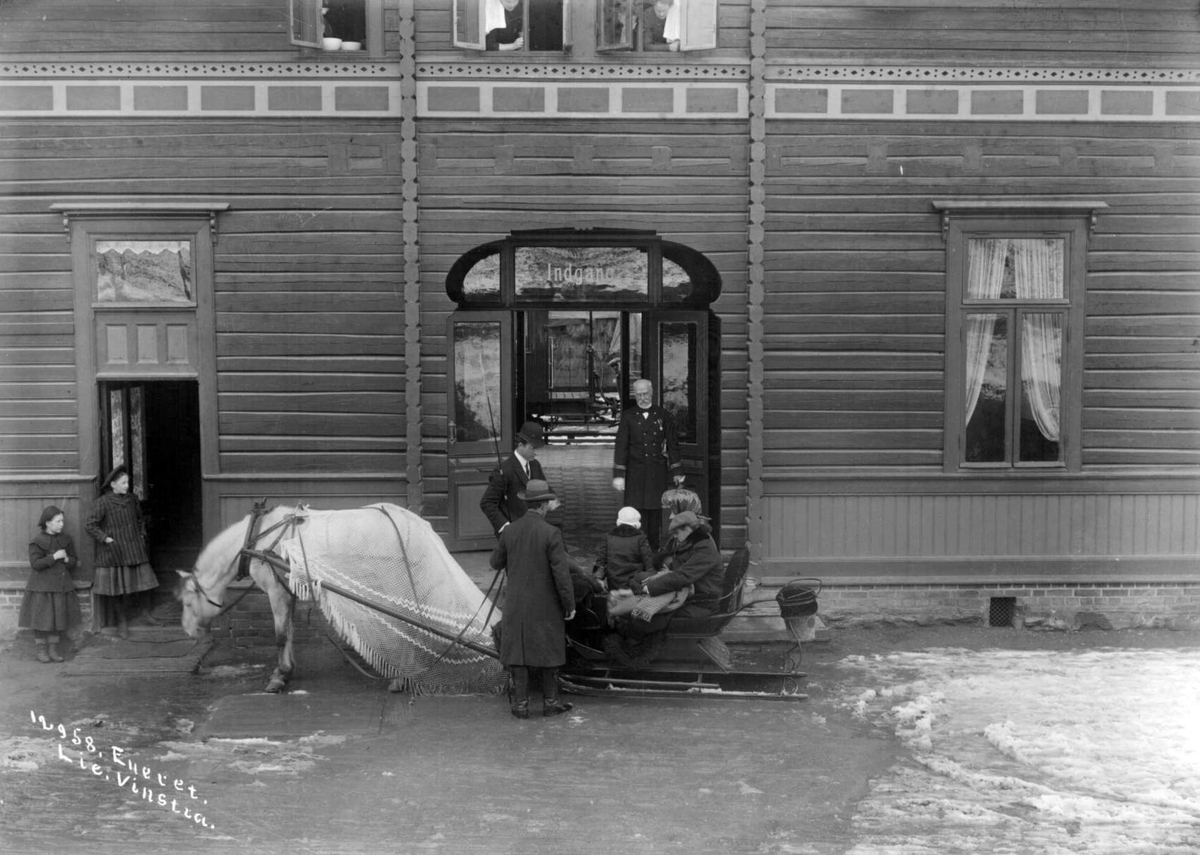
(1038, 267)
(985, 276)
(1038, 274)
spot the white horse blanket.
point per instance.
(389, 556)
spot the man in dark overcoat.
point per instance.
(501, 502)
(647, 450)
(539, 601)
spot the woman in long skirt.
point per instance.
(122, 561)
(50, 606)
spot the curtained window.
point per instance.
(1013, 381)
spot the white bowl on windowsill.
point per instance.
(351, 45)
(328, 43)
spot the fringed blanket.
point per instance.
(391, 557)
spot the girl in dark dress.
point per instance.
(50, 606)
(122, 562)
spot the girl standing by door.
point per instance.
(122, 562)
(50, 606)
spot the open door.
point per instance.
(677, 354)
(480, 432)
(153, 428)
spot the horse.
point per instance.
(382, 577)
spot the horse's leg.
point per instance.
(281, 610)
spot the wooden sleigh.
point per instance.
(690, 660)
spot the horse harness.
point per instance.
(248, 553)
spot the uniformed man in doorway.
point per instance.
(646, 455)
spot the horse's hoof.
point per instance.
(397, 685)
(275, 686)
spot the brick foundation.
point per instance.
(1104, 605)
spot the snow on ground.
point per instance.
(1092, 752)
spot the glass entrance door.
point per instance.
(480, 430)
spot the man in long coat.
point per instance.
(539, 601)
(501, 502)
(647, 449)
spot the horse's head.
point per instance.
(197, 609)
(201, 590)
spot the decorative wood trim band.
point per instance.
(582, 71)
(980, 74)
(626, 100)
(1066, 102)
(756, 284)
(337, 66)
(410, 213)
(191, 99)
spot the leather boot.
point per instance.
(521, 709)
(55, 656)
(553, 706)
(42, 655)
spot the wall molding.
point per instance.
(980, 74)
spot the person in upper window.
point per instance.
(505, 25)
(660, 23)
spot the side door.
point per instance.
(480, 431)
(676, 349)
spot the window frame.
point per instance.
(477, 10)
(307, 13)
(963, 222)
(698, 24)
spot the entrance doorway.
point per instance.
(153, 428)
(554, 326)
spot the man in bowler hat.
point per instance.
(539, 602)
(502, 503)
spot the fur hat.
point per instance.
(629, 516)
(684, 518)
(536, 491)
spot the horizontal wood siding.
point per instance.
(308, 292)
(856, 284)
(120, 28)
(1088, 33)
(38, 415)
(479, 181)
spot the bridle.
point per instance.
(248, 553)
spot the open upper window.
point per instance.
(512, 25)
(1014, 335)
(656, 25)
(354, 28)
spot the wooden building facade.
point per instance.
(933, 267)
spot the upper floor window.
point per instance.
(620, 25)
(1014, 345)
(351, 28)
(656, 25)
(512, 25)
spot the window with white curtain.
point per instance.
(1014, 342)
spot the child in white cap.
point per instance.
(625, 557)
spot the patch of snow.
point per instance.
(1092, 752)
